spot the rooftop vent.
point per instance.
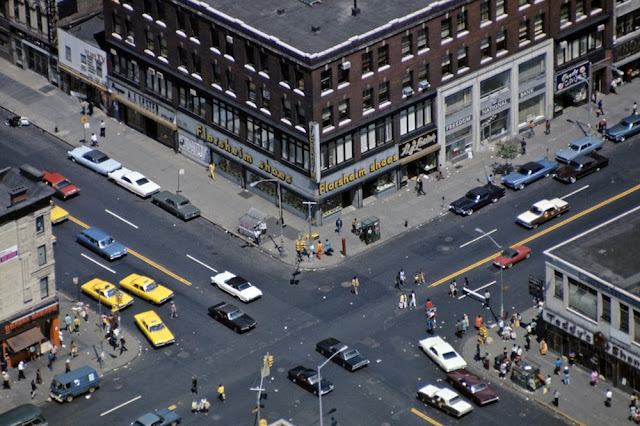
(18, 194)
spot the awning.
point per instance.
(118, 97)
(428, 150)
(26, 339)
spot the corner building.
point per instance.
(339, 102)
(592, 300)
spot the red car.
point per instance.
(510, 256)
(472, 386)
(64, 188)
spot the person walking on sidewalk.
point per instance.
(355, 283)
(567, 377)
(103, 129)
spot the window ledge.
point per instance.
(326, 92)
(367, 75)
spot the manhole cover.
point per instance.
(324, 289)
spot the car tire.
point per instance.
(69, 398)
(521, 186)
(510, 265)
(528, 255)
(572, 179)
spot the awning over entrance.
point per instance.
(26, 339)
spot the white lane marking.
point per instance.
(476, 239)
(478, 289)
(575, 192)
(97, 263)
(202, 263)
(121, 405)
(122, 219)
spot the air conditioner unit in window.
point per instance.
(423, 85)
(345, 65)
(407, 91)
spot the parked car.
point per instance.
(477, 198)
(163, 417)
(107, 293)
(627, 127)
(146, 288)
(96, 160)
(232, 317)
(442, 353)
(580, 167)
(154, 329)
(349, 358)
(64, 188)
(236, 286)
(541, 212)
(176, 204)
(582, 146)
(444, 399)
(308, 379)
(98, 241)
(529, 173)
(472, 387)
(135, 182)
(511, 256)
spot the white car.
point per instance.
(236, 286)
(442, 353)
(134, 182)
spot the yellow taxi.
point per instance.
(146, 288)
(154, 329)
(107, 293)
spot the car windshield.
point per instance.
(150, 287)
(449, 355)
(235, 314)
(350, 354)
(477, 387)
(535, 210)
(142, 181)
(63, 184)
(156, 327)
(110, 293)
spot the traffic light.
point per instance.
(270, 360)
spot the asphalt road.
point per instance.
(293, 317)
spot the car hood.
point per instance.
(527, 217)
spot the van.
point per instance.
(23, 415)
(69, 385)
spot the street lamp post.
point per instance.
(501, 268)
(252, 184)
(342, 349)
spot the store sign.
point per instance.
(458, 123)
(356, 174)
(8, 253)
(418, 144)
(239, 152)
(10, 326)
(626, 49)
(496, 104)
(573, 77)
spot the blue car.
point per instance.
(96, 160)
(627, 127)
(578, 148)
(529, 173)
(98, 241)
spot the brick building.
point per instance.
(29, 305)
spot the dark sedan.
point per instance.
(349, 359)
(477, 198)
(308, 379)
(232, 317)
(472, 387)
(580, 167)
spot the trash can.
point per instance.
(370, 229)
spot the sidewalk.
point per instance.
(579, 403)
(90, 343)
(26, 93)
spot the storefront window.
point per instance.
(583, 298)
(558, 285)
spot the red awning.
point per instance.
(25, 339)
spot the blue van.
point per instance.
(77, 382)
